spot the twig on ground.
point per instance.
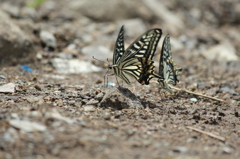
(198, 94)
(207, 133)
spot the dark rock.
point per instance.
(15, 44)
(120, 98)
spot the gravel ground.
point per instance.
(58, 111)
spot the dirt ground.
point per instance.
(54, 115)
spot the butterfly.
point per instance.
(167, 68)
(136, 60)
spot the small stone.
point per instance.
(38, 87)
(71, 101)
(28, 12)
(65, 55)
(221, 52)
(27, 126)
(32, 99)
(120, 98)
(58, 116)
(2, 77)
(226, 150)
(14, 116)
(11, 135)
(7, 88)
(93, 102)
(99, 96)
(89, 108)
(227, 89)
(107, 116)
(180, 149)
(193, 99)
(73, 66)
(212, 91)
(48, 39)
(12, 10)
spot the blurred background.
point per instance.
(62, 35)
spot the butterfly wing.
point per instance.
(119, 46)
(165, 54)
(167, 68)
(144, 46)
(147, 72)
(139, 68)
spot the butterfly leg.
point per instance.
(117, 81)
(106, 81)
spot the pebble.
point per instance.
(12, 10)
(38, 87)
(89, 108)
(93, 102)
(73, 66)
(11, 135)
(14, 116)
(181, 149)
(48, 38)
(65, 55)
(227, 89)
(193, 99)
(71, 101)
(221, 52)
(27, 126)
(2, 77)
(107, 116)
(32, 99)
(28, 12)
(7, 88)
(58, 116)
(226, 150)
(121, 98)
(99, 96)
(212, 91)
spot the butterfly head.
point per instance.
(110, 67)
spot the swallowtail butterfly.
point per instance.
(167, 68)
(136, 60)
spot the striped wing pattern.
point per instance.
(167, 68)
(143, 46)
(119, 46)
(136, 60)
(147, 72)
(131, 67)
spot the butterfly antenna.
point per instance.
(108, 61)
(100, 60)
